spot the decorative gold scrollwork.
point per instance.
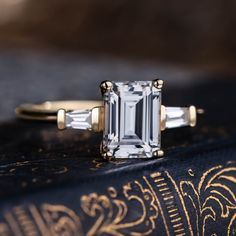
(110, 212)
(185, 207)
(61, 220)
(214, 197)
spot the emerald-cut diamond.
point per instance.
(132, 119)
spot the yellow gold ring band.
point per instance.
(47, 111)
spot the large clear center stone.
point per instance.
(132, 119)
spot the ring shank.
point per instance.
(48, 110)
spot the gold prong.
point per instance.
(105, 153)
(158, 153)
(106, 86)
(61, 119)
(158, 83)
(163, 118)
(192, 116)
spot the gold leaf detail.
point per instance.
(216, 190)
(110, 212)
(61, 220)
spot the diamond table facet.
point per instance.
(132, 119)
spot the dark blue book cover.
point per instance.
(55, 183)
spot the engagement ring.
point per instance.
(131, 117)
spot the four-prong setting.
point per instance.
(132, 118)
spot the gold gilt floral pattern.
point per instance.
(213, 199)
(153, 204)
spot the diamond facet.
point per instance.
(132, 119)
(177, 117)
(79, 119)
